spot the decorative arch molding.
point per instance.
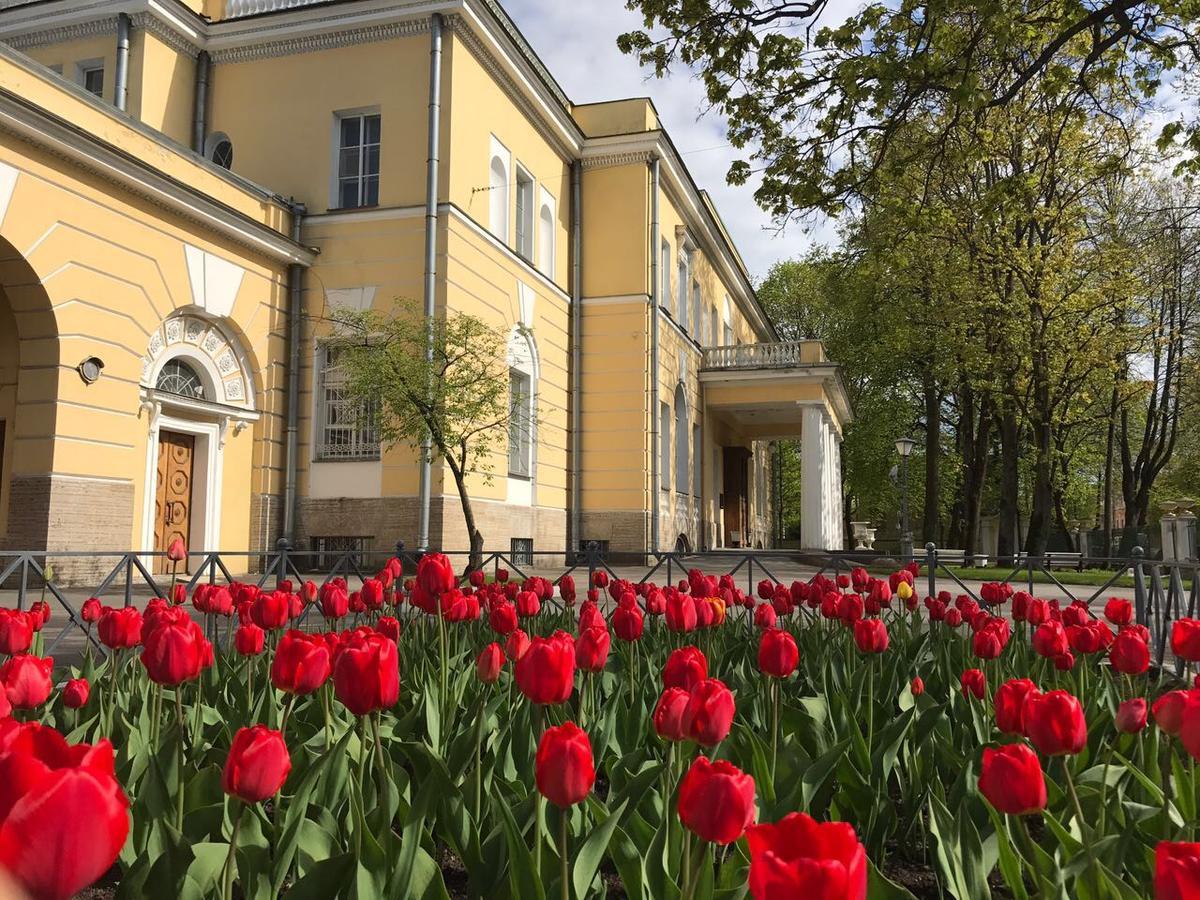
(216, 356)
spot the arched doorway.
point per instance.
(196, 388)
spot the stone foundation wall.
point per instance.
(625, 531)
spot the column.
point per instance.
(813, 474)
(839, 531)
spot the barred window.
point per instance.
(348, 429)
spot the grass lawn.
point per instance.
(1092, 577)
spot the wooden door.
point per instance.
(173, 499)
(736, 496)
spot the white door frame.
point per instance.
(207, 468)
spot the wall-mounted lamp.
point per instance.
(89, 370)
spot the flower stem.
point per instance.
(562, 854)
(231, 858)
(179, 774)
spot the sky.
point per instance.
(577, 40)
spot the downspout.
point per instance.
(425, 487)
(200, 110)
(576, 355)
(291, 429)
(121, 88)
(655, 300)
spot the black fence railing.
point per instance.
(1162, 591)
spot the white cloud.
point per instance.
(578, 43)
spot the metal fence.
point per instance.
(1162, 591)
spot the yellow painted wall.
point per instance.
(616, 117)
(162, 85)
(616, 231)
(69, 54)
(280, 115)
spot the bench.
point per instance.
(1054, 559)
(950, 557)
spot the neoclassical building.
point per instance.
(189, 189)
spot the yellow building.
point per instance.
(188, 190)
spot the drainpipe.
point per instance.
(425, 487)
(121, 89)
(655, 299)
(200, 110)
(576, 354)
(291, 432)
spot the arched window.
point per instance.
(177, 377)
(546, 239)
(682, 432)
(498, 193)
(219, 149)
(522, 385)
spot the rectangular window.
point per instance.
(520, 424)
(711, 338)
(664, 295)
(91, 77)
(358, 161)
(696, 448)
(681, 301)
(524, 214)
(697, 325)
(347, 428)
(664, 446)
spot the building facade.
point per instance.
(191, 189)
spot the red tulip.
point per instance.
(1050, 640)
(1131, 716)
(1129, 654)
(1010, 702)
(629, 623)
(1168, 710)
(801, 857)
(366, 673)
(91, 610)
(1185, 639)
(503, 618)
(1064, 662)
(1012, 780)
(591, 649)
(668, 714)
(64, 817)
(546, 672)
(1176, 871)
(778, 655)
(26, 680)
(76, 693)
(517, 645)
(716, 800)
(302, 663)
(39, 614)
(564, 768)
(271, 611)
(176, 550)
(335, 601)
(681, 613)
(870, 635)
(528, 604)
(1119, 612)
(372, 593)
(174, 653)
(120, 629)
(1054, 723)
(389, 627)
(685, 668)
(257, 766)
(435, 574)
(708, 715)
(16, 631)
(765, 616)
(974, 684)
(249, 640)
(490, 663)
(917, 686)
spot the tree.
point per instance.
(459, 398)
(825, 107)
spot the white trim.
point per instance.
(500, 204)
(546, 201)
(375, 214)
(522, 176)
(615, 300)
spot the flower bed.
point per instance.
(496, 739)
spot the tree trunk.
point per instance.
(1041, 514)
(1107, 520)
(931, 522)
(460, 481)
(1010, 487)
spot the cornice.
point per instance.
(611, 160)
(73, 32)
(152, 24)
(323, 41)
(518, 39)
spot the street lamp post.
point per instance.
(904, 446)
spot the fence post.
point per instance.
(592, 551)
(931, 568)
(284, 546)
(1139, 586)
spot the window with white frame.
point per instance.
(711, 337)
(664, 294)
(664, 445)
(90, 76)
(727, 335)
(520, 423)
(697, 325)
(346, 428)
(524, 213)
(546, 234)
(682, 431)
(696, 450)
(498, 191)
(681, 287)
(358, 137)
